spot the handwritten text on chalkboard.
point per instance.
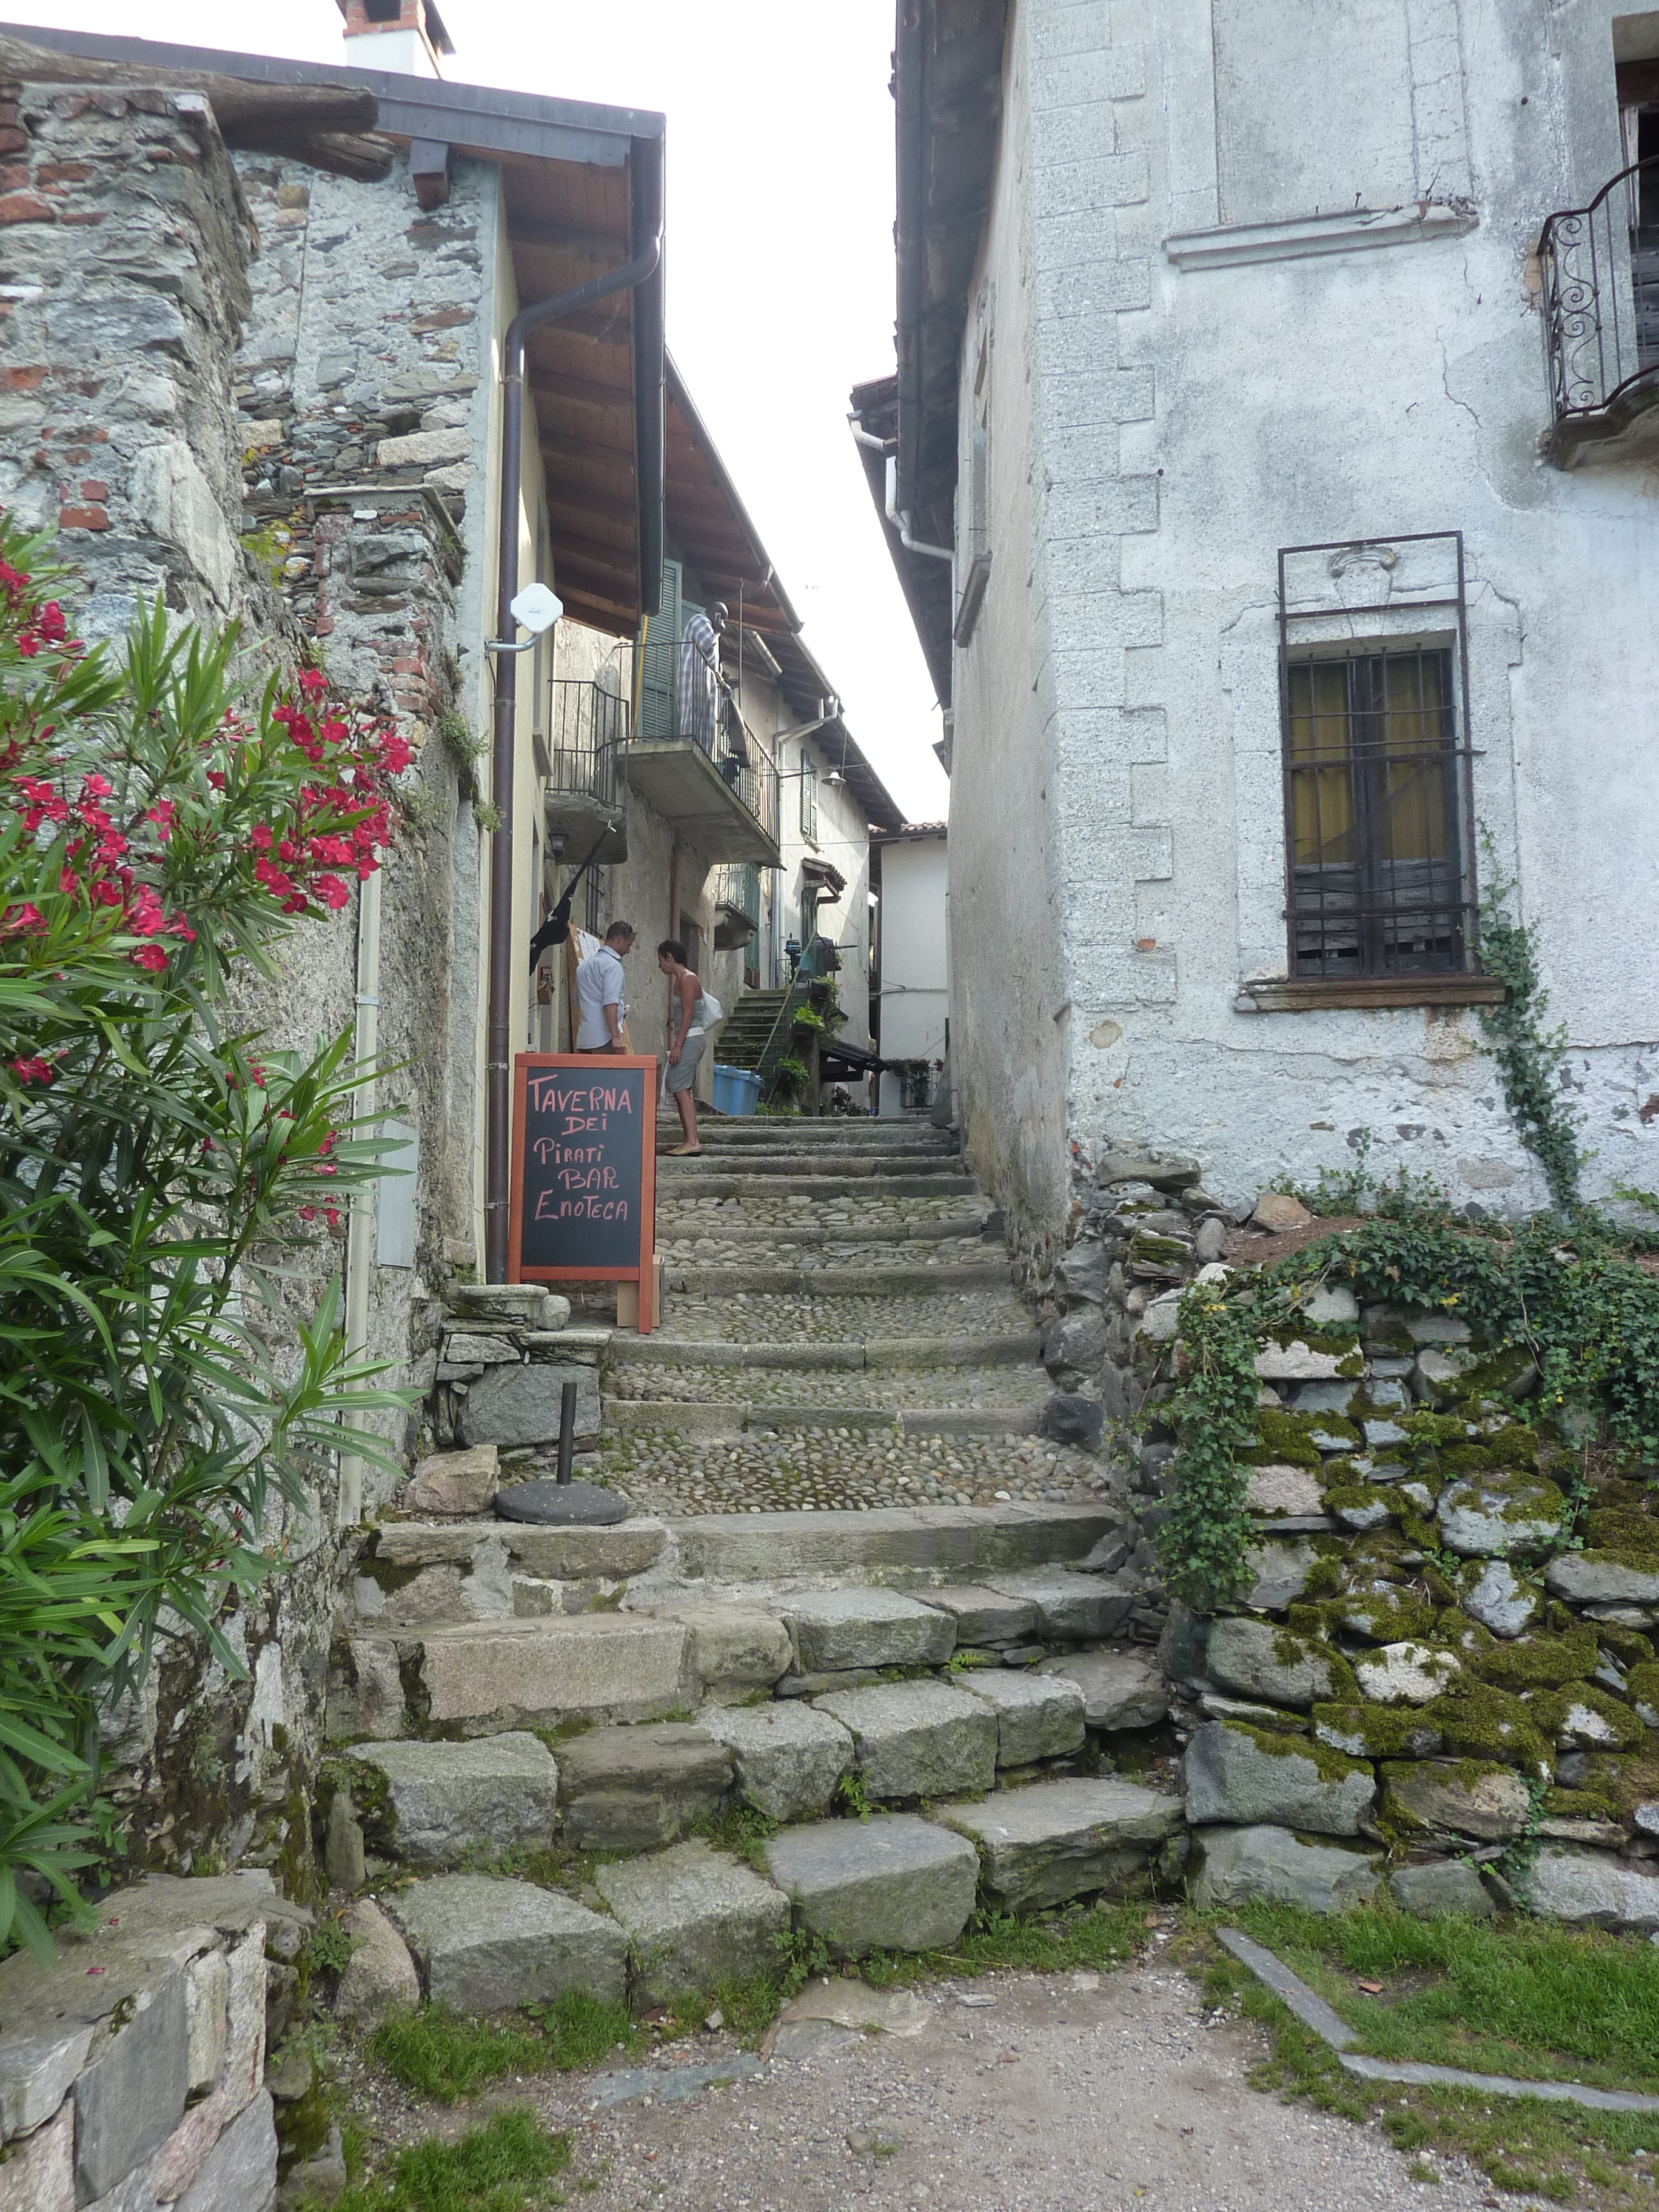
(583, 1189)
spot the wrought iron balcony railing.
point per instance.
(587, 729)
(1600, 266)
(725, 741)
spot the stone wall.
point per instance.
(1437, 1658)
(133, 2070)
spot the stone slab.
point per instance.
(984, 1616)
(240, 2172)
(1055, 1840)
(532, 1673)
(891, 1883)
(732, 1648)
(1259, 1660)
(38, 2175)
(1038, 1716)
(1069, 1608)
(1120, 1689)
(917, 1738)
(1490, 1802)
(132, 2096)
(488, 1946)
(1231, 1777)
(1446, 1886)
(379, 1976)
(635, 1789)
(789, 1755)
(454, 1482)
(1267, 1862)
(1585, 1887)
(839, 1628)
(429, 1803)
(613, 1551)
(516, 1405)
(952, 1540)
(695, 1918)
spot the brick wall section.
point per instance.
(123, 246)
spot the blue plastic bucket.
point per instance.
(735, 1089)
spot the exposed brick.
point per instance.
(12, 140)
(83, 214)
(91, 489)
(26, 207)
(446, 318)
(23, 380)
(14, 176)
(52, 173)
(82, 517)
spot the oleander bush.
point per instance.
(164, 1365)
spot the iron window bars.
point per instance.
(1379, 821)
(1600, 269)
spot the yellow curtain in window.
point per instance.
(1413, 783)
(1321, 787)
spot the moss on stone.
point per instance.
(1552, 1709)
(1628, 1646)
(1642, 1685)
(1637, 1534)
(1357, 1497)
(1625, 1782)
(1324, 1579)
(1391, 1616)
(1384, 1731)
(1580, 1805)
(1333, 1766)
(1284, 1440)
(1540, 1662)
(1478, 1721)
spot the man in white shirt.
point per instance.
(600, 1003)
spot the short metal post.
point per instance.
(566, 1430)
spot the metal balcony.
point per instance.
(726, 804)
(1599, 267)
(583, 783)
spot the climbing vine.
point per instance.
(1206, 1539)
(1529, 1057)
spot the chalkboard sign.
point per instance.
(584, 1169)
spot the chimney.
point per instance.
(403, 37)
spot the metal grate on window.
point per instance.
(1377, 803)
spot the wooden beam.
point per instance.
(580, 392)
(556, 238)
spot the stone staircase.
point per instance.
(553, 1731)
(838, 1330)
(744, 1034)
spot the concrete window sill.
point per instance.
(1352, 230)
(1280, 996)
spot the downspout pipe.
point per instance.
(901, 522)
(360, 1218)
(646, 224)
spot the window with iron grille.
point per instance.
(1378, 822)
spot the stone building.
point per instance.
(737, 857)
(254, 321)
(1280, 382)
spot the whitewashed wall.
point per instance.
(915, 963)
(1159, 431)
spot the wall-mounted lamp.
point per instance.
(536, 608)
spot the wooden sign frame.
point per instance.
(592, 1065)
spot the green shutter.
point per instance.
(659, 676)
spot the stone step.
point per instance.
(486, 1945)
(828, 1132)
(1057, 1840)
(868, 1281)
(658, 1350)
(917, 1740)
(824, 1183)
(725, 1140)
(723, 1226)
(891, 1883)
(732, 1417)
(958, 1542)
(487, 1677)
(694, 1919)
(763, 1168)
(635, 1789)
(430, 1804)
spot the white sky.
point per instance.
(780, 265)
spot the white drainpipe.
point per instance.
(360, 1237)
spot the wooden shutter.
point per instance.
(659, 675)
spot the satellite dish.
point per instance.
(536, 608)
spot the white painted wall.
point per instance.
(916, 961)
(1157, 433)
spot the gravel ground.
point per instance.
(873, 1215)
(1012, 1387)
(809, 1469)
(780, 1317)
(762, 1248)
(1065, 2093)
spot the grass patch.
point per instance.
(1076, 1936)
(1545, 2003)
(505, 2167)
(437, 2053)
(742, 1830)
(1563, 2154)
(583, 2031)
